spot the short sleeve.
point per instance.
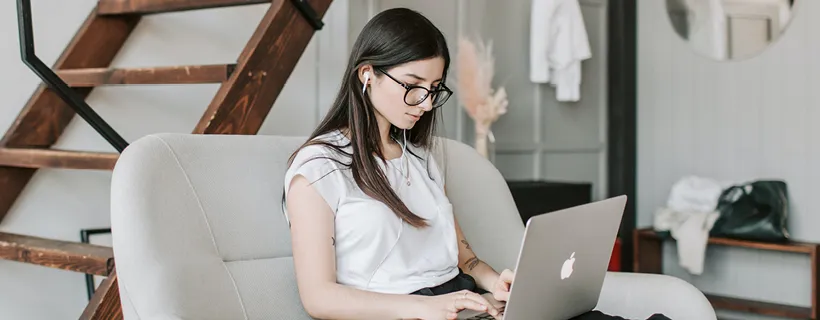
(324, 174)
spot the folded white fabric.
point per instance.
(689, 215)
(691, 230)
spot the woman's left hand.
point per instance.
(501, 287)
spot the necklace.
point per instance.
(404, 174)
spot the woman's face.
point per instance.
(388, 96)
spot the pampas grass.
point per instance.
(475, 68)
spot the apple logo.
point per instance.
(566, 269)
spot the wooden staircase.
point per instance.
(249, 87)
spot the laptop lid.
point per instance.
(563, 260)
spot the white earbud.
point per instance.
(366, 78)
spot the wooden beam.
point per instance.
(50, 158)
(117, 7)
(45, 115)
(105, 304)
(72, 256)
(159, 75)
(243, 102)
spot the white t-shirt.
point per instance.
(375, 250)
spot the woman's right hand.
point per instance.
(447, 306)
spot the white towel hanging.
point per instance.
(558, 44)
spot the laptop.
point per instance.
(562, 262)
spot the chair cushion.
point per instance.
(186, 210)
(266, 291)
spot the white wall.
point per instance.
(738, 120)
(539, 138)
(58, 203)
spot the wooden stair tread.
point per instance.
(53, 158)
(91, 77)
(758, 307)
(791, 246)
(66, 255)
(118, 7)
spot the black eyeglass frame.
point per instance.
(440, 88)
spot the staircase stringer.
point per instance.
(242, 103)
(45, 116)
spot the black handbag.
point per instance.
(756, 211)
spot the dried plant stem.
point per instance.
(481, 137)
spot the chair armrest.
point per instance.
(639, 295)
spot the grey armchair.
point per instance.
(198, 231)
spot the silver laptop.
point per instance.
(562, 262)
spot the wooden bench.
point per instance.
(648, 258)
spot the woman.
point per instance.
(373, 233)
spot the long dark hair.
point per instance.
(390, 38)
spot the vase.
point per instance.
(485, 143)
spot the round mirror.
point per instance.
(729, 29)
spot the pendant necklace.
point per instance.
(405, 174)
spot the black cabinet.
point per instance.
(537, 197)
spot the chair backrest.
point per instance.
(198, 230)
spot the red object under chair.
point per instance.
(615, 259)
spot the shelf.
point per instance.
(648, 258)
(759, 307)
(791, 246)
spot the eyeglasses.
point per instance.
(415, 95)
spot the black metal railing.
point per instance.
(308, 13)
(55, 83)
(85, 237)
